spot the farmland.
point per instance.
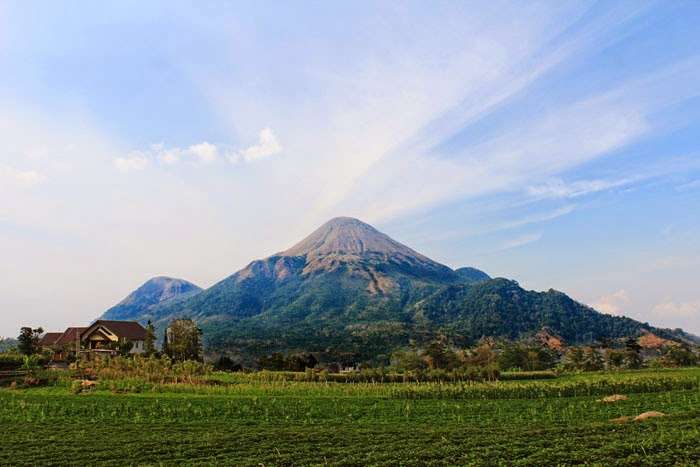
(240, 419)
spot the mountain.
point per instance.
(156, 291)
(349, 289)
(472, 275)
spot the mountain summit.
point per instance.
(346, 241)
(348, 288)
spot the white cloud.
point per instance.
(520, 241)
(24, 178)
(169, 157)
(559, 189)
(206, 152)
(203, 153)
(613, 304)
(267, 146)
(678, 310)
(128, 164)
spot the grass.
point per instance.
(285, 423)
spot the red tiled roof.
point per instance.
(69, 336)
(49, 338)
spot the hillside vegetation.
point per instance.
(348, 288)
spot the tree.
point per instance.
(183, 340)
(575, 358)
(166, 345)
(614, 358)
(224, 363)
(679, 355)
(513, 357)
(532, 358)
(150, 338)
(409, 360)
(593, 360)
(28, 340)
(633, 359)
(123, 346)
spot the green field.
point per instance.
(260, 419)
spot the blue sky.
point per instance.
(555, 143)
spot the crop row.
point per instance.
(599, 387)
(27, 407)
(671, 441)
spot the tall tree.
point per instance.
(150, 338)
(184, 340)
(28, 340)
(633, 358)
(166, 344)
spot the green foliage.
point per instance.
(632, 356)
(407, 360)
(527, 358)
(10, 361)
(28, 340)
(183, 340)
(680, 355)
(31, 362)
(280, 362)
(122, 346)
(149, 344)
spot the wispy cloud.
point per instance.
(267, 146)
(557, 188)
(613, 304)
(534, 219)
(519, 241)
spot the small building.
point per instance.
(102, 333)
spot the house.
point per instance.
(100, 338)
(101, 334)
(62, 343)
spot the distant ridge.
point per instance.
(156, 291)
(348, 288)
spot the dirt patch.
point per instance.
(640, 417)
(613, 398)
(645, 415)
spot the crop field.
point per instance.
(260, 419)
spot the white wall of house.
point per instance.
(139, 347)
